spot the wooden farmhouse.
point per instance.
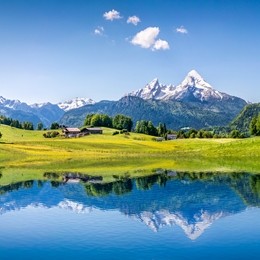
(71, 132)
(76, 132)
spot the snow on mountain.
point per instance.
(193, 230)
(76, 207)
(192, 88)
(154, 90)
(75, 103)
(66, 105)
(14, 104)
(195, 87)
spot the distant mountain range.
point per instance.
(45, 112)
(192, 103)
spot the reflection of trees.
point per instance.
(255, 184)
(56, 184)
(102, 189)
(124, 185)
(245, 184)
(16, 186)
(40, 184)
(146, 183)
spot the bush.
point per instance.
(115, 133)
(52, 134)
(123, 131)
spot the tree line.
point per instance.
(147, 127)
(16, 123)
(119, 122)
(125, 123)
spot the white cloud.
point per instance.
(99, 31)
(112, 15)
(133, 19)
(182, 30)
(146, 38)
(161, 45)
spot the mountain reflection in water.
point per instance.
(192, 201)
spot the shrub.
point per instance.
(52, 134)
(123, 131)
(115, 133)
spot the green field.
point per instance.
(29, 152)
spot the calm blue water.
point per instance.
(165, 216)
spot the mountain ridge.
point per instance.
(39, 112)
(192, 88)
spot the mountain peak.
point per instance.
(194, 79)
(192, 89)
(194, 74)
(154, 81)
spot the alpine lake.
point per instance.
(166, 215)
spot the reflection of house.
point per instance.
(76, 132)
(92, 130)
(71, 132)
(171, 137)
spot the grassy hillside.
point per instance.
(28, 151)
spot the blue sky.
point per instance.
(54, 50)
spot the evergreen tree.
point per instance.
(162, 130)
(258, 125)
(235, 134)
(27, 125)
(55, 125)
(252, 127)
(40, 126)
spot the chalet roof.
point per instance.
(94, 128)
(72, 129)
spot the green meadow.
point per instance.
(28, 152)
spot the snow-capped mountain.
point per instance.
(192, 229)
(75, 103)
(192, 88)
(14, 104)
(154, 90)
